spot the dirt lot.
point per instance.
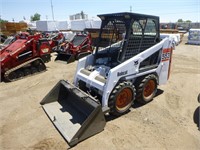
(165, 123)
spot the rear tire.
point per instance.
(121, 98)
(147, 89)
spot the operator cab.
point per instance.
(124, 35)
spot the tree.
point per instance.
(180, 20)
(2, 21)
(35, 17)
(188, 21)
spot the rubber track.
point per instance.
(20, 66)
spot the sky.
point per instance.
(168, 11)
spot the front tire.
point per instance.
(147, 89)
(121, 98)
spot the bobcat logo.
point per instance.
(122, 73)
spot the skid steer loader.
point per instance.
(80, 46)
(112, 78)
(26, 56)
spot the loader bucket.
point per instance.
(65, 58)
(75, 114)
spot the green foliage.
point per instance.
(188, 21)
(180, 20)
(35, 17)
(2, 21)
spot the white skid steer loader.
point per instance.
(112, 78)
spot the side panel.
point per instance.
(130, 69)
(164, 72)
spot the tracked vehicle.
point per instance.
(24, 57)
(112, 78)
(78, 47)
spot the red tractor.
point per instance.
(54, 39)
(26, 56)
(78, 47)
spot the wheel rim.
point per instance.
(149, 88)
(124, 99)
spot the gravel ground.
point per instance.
(168, 122)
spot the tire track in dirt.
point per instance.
(185, 64)
(173, 100)
(48, 144)
(186, 70)
(12, 123)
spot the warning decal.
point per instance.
(166, 54)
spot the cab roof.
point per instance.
(127, 15)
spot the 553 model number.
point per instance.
(166, 54)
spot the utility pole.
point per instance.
(130, 8)
(52, 10)
(53, 16)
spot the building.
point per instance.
(78, 16)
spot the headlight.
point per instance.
(45, 50)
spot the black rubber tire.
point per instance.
(147, 88)
(20, 74)
(120, 93)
